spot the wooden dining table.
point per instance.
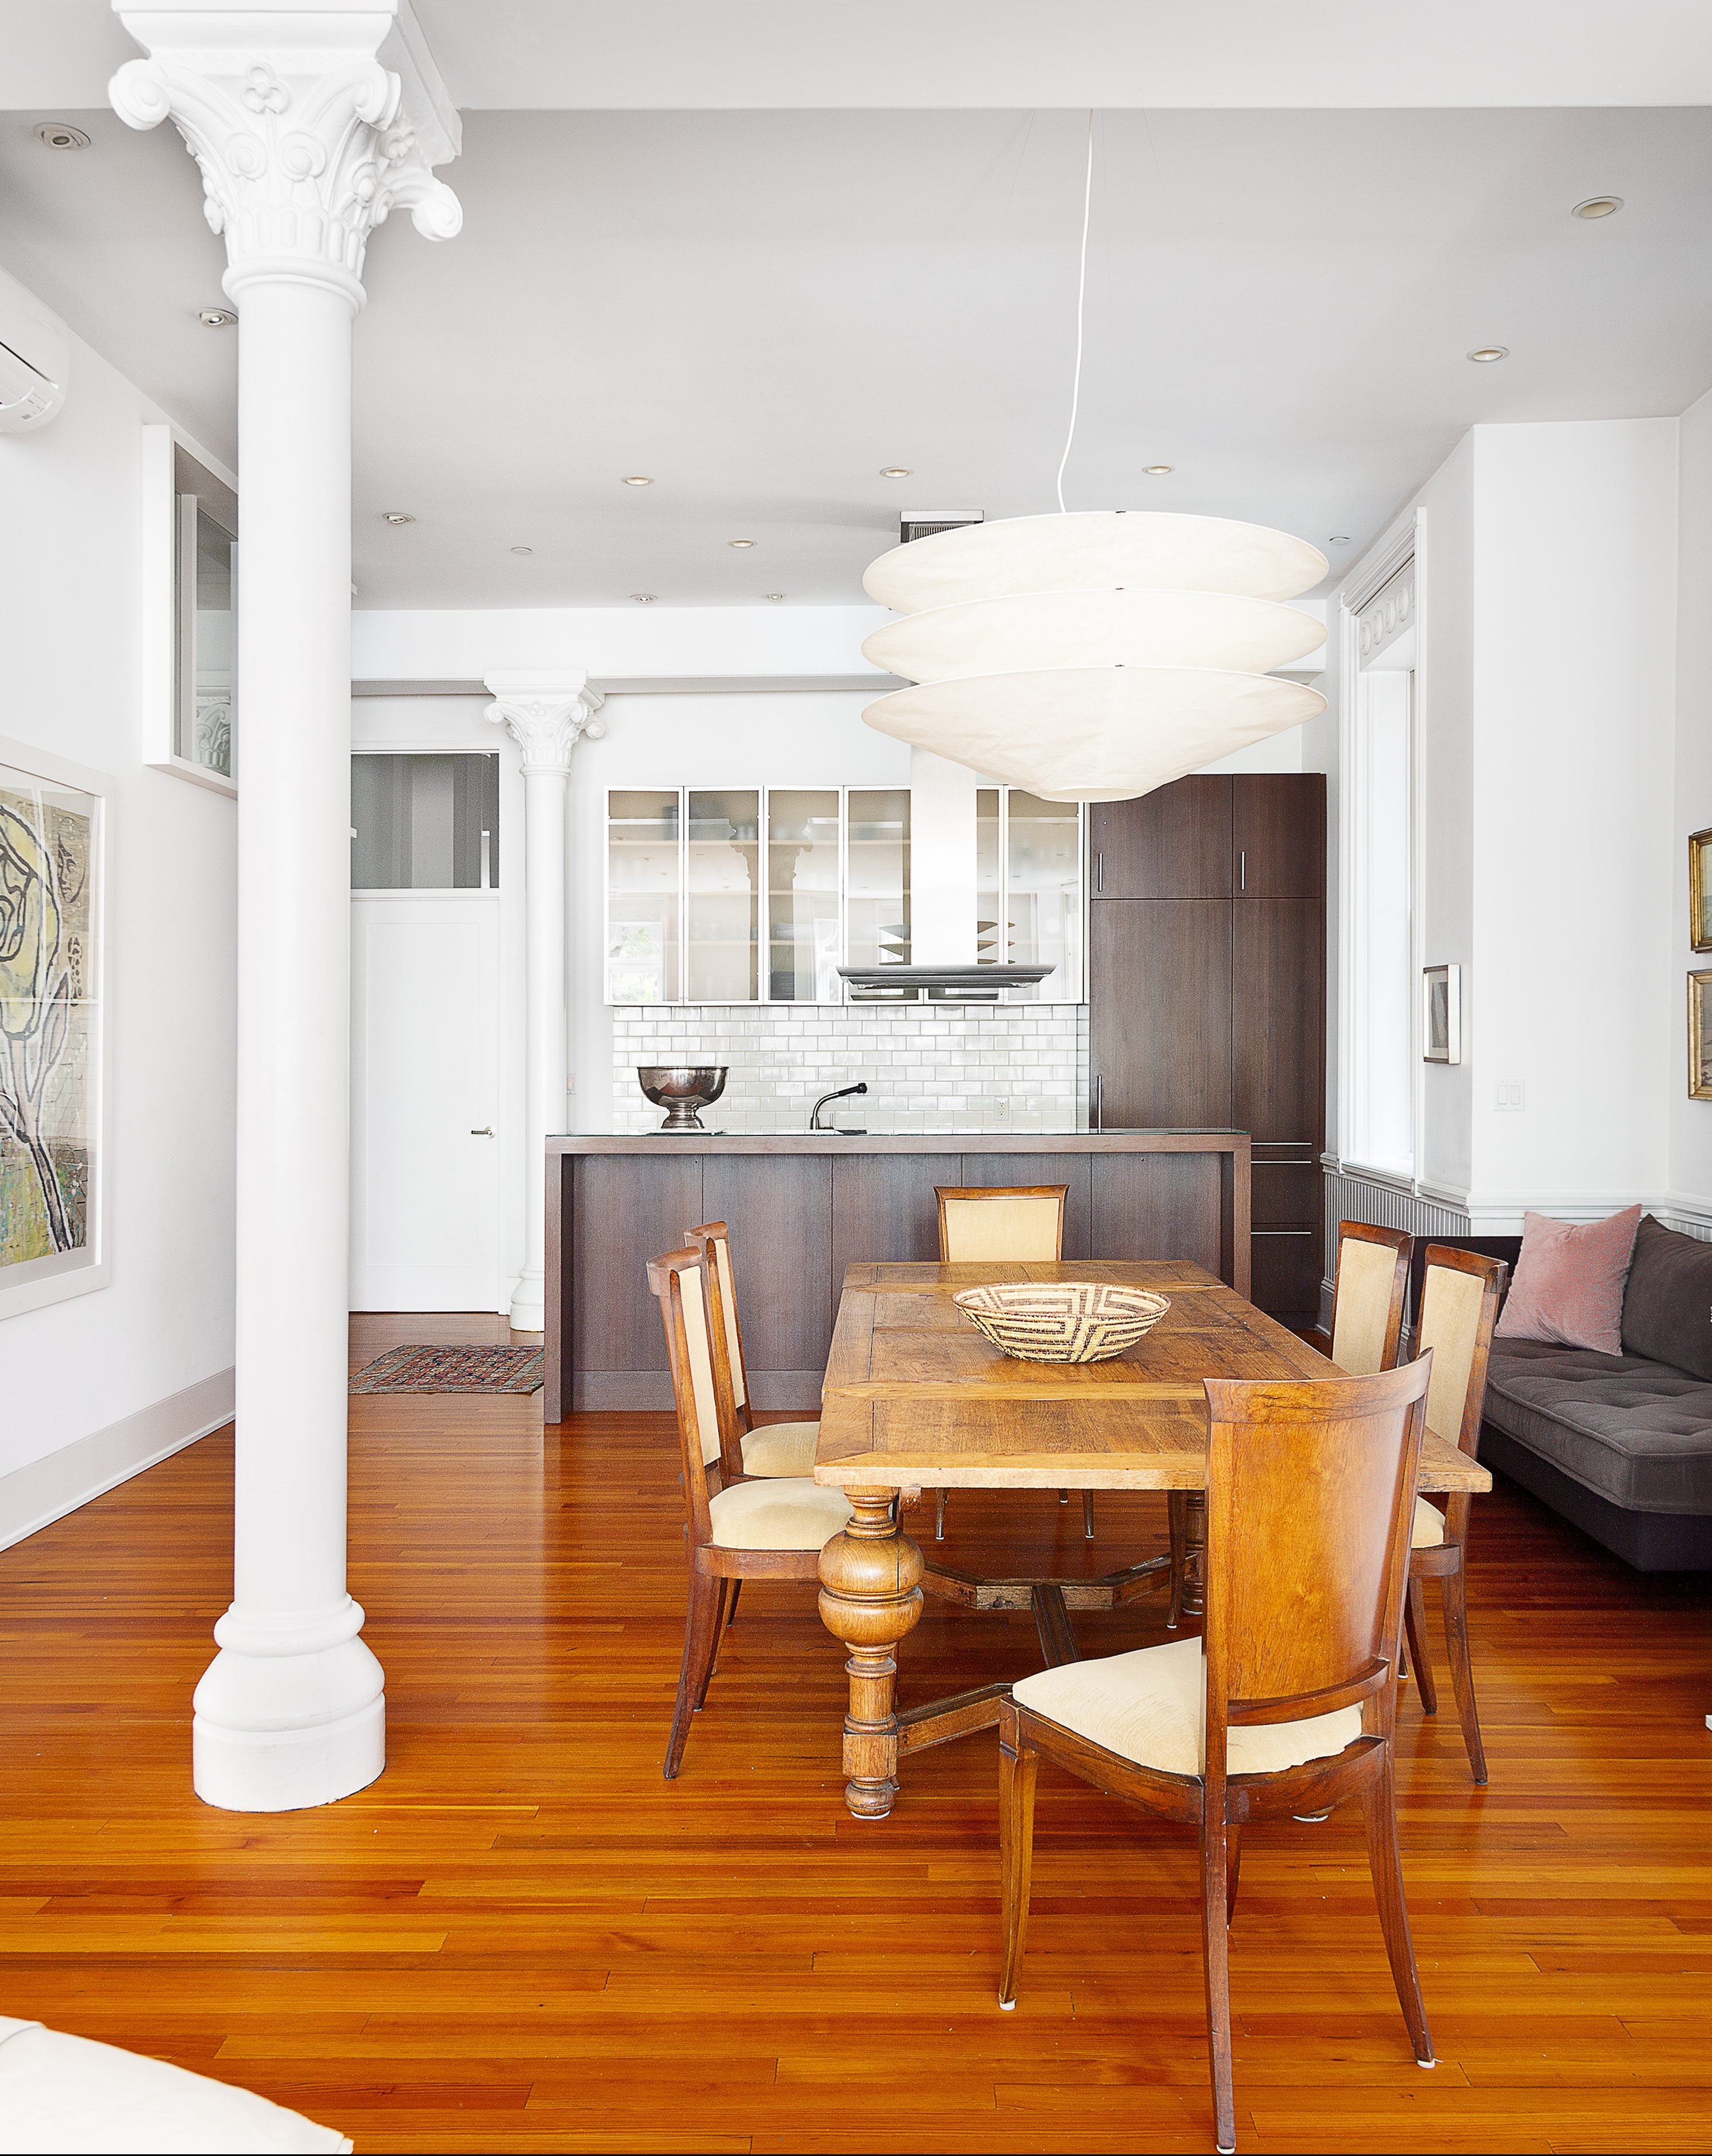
(916, 1399)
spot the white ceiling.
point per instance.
(761, 308)
(630, 55)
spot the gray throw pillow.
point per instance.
(1667, 1305)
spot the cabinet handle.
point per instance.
(1099, 1102)
(488, 1133)
(1100, 871)
(1243, 869)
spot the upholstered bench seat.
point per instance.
(1635, 1432)
(781, 1448)
(1150, 1705)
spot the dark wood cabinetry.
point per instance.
(1206, 959)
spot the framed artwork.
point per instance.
(1441, 1014)
(1700, 891)
(1700, 1036)
(52, 845)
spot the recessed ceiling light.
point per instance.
(638, 478)
(397, 517)
(1489, 352)
(643, 598)
(1597, 206)
(58, 136)
(894, 471)
(216, 318)
(522, 550)
(739, 543)
(1338, 539)
(1157, 471)
(774, 595)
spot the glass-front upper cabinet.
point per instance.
(761, 894)
(804, 914)
(722, 915)
(645, 888)
(1028, 889)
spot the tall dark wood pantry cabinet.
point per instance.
(1206, 990)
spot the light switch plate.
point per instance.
(1512, 1095)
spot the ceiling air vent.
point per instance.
(924, 523)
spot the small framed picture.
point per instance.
(1441, 1014)
(1700, 1036)
(1700, 891)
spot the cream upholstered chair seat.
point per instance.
(1428, 1530)
(1150, 1706)
(781, 1448)
(780, 1514)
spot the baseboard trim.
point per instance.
(33, 1497)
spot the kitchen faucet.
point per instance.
(814, 1121)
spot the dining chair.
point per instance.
(763, 1449)
(1371, 1280)
(1460, 1296)
(771, 1528)
(1286, 1708)
(1019, 1224)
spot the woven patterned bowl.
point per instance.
(1062, 1321)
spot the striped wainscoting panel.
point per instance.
(1352, 1198)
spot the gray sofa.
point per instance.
(1620, 1444)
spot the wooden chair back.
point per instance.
(1460, 1294)
(712, 1239)
(1310, 1500)
(1023, 1225)
(678, 1280)
(1367, 1297)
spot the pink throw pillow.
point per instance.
(1569, 1281)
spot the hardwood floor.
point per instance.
(521, 1939)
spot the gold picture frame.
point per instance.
(1701, 891)
(1700, 1036)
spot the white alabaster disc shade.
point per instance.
(1145, 628)
(1094, 550)
(1093, 733)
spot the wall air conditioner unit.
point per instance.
(924, 523)
(35, 363)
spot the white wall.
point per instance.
(1691, 1120)
(95, 1386)
(1574, 633)
(1546, 863)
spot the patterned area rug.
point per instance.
(453, 1370)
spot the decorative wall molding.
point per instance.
(547, 716)
(305, 140)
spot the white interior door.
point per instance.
(424, 1086)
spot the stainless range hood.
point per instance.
(943, 976)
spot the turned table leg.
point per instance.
(1193, 1588)
(870, 1597)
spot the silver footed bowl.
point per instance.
(681, 1090)
(1062, 1321)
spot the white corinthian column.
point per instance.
(306, 140)
(547, 715)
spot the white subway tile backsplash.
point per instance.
(927, 1065)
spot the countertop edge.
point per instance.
(944, 1142)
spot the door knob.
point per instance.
(488, 1133)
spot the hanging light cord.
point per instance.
(1088, 196)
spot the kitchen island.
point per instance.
(803, 1206)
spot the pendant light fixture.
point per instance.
(1093, 655)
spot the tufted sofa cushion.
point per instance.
(1637, 1432)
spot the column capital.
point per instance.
(311, 122)
(547, 715)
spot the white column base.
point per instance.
(290, 1713)
(529, 1301)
